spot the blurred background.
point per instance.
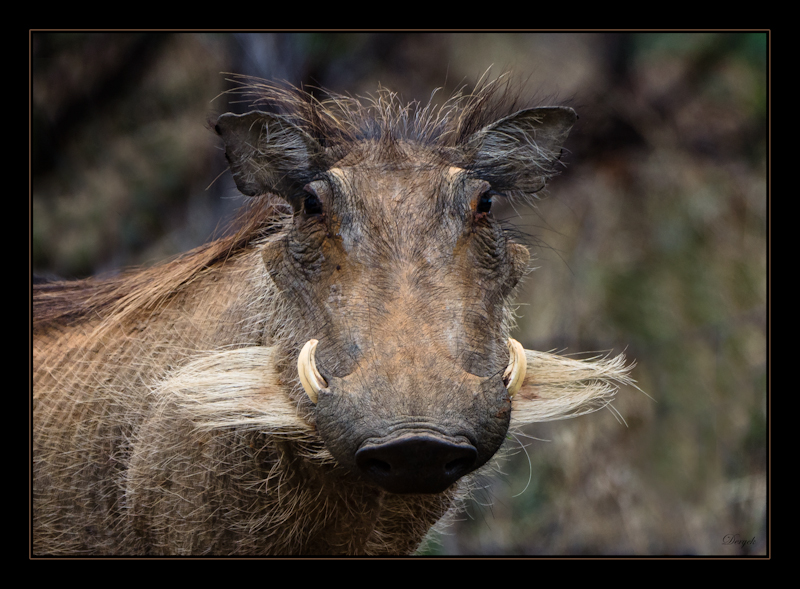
(653, 242)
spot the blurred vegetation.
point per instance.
(653, 241)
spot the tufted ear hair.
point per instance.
(267, 153)
(520, 151)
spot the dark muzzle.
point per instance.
(416, 462)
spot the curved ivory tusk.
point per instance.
(515, 373)
(310, 378)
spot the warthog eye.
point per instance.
(312, 205)
(485, 201)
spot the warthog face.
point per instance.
(402, 278)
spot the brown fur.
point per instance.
(167, 414)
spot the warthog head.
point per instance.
(399, 275)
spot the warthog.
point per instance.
(323, 379)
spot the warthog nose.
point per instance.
(416, 463)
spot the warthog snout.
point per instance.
(405, 443)
(416, 462)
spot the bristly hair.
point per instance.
(340, 122)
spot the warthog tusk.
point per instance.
(310, 378)
(515, 373)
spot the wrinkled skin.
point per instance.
(408, 308)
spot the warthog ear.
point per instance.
(267, 152)
(520, 151)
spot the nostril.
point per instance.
(460, 465)
(375, 466)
